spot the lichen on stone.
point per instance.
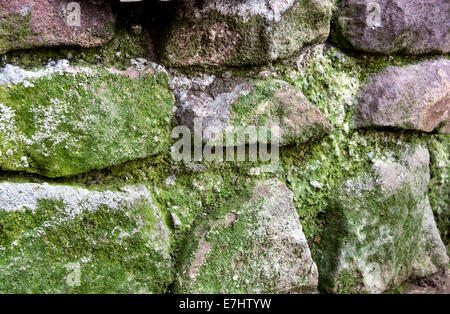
(380, 226)
(65, 239)
(89, 185)
(69, 123)
(254, 247)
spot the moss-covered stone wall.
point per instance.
(92, 200)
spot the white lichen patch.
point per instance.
(140, 66)
(76, 200)
(270, 10)
(180, 82)
(21, 196)
(11, 74)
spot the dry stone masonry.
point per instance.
(92, 199)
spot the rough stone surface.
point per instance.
(209, 99)
(68, 121)
(29, 24)
(381, 229)
(415, 97)
(257, 247)
(121, 213)
(404, 26)
(236, 33)
(11, 74)
(60, 239)
(227, 105)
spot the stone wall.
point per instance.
(351, 195)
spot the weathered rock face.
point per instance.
(415, 97)
(29, 24)
(72, 120)
(235, 33)
(381, 230)
(64, 239)
(258, 247)
(226, 106)
(394, 26)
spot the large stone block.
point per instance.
(235, 33)
(64, 120)
(67, 239)
(393, 26)
(252, 246)
(29, 24)
(381, 230)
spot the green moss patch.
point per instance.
(14, 31)
(68, 124)
(55, 250)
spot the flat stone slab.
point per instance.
(386, 26)
(40, 23)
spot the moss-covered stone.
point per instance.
(251, 245)
(226, 33)
(276, 102)
(25, 25)
(14, 29)
(239, 111)
(125, 46)
(64, 239)
(380, 228)
(65, 124)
